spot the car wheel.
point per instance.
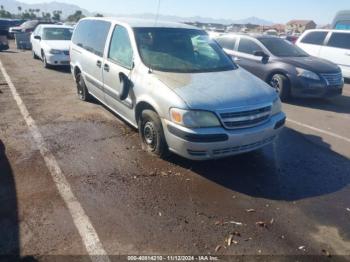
(282, 86)
(152, 134)
(46, 65)
(82, 91)
(34, 55)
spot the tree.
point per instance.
(19, 9)
(56, 15)
(46, 16)
(28, 14)
(76, 16)
(98, 15)
(4, 13)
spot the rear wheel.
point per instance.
(82, 91)
(152, 134)
(282, 86)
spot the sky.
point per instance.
(321, 11)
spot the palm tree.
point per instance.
(19, 9)
(2, 7)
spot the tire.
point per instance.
(82, 90)
(152, 134)
(46, 65)
(34, 55)
(282, 86)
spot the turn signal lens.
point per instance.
(176, 117)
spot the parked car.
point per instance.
(287, 68)
(27, 27)
(14, 23)
(4, 44)
(6, 24)
(342, 20)
(291, 38)
(51, 44)
(333, 45)
(176, 85)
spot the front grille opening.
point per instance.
(246, 119)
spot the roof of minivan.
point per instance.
(138, 22)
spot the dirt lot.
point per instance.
(291, 198)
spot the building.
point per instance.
(299, 26)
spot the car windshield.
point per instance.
(57, 34)
(282, 48)
(30, 23)
(181, 50)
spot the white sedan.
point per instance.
(51, 44)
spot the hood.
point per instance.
(313, 64)
(59, 45)
(16, 28)
(218, 90)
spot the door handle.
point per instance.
(99, 63)
(106, 67)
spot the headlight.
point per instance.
(307, 74)
(55, 52)
(194, 118)
(276, 107)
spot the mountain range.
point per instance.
(68, 9)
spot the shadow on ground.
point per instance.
(293, 168)
(9, 223)
(340, 104)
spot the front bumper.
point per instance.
(308, 88)
(214, 143)
(58, 60)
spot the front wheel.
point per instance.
(282, 86)
(34, 55)
(45, 63)
(152, 134)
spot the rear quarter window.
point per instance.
(92, 35)
(314, 38)
(339, 40)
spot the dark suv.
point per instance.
(284, 66)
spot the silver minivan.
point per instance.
(176, 85)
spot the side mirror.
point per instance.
(37, 37)
(260, 53)
(265, 57)
(126, 84)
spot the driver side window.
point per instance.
(248, 46)
(120, 50)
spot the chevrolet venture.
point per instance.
(176, 85)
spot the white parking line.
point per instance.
(319, 130)
(82, 222)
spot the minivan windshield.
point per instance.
(29, 24)
(181, 50)
(282, 48)
(57, 34)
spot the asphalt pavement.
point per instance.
(289, 199)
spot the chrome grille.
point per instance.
(245, 119)
(333, 79)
